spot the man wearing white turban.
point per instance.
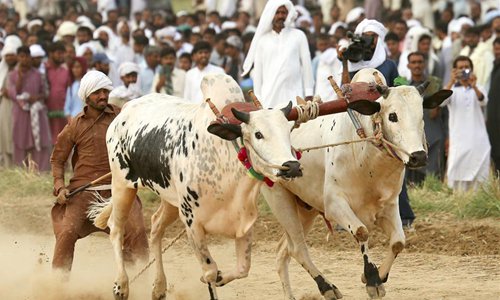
(8, 63)
(129, 89)
(86, 136)
(280, 57)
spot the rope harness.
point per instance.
(175, 239)
(378, 140)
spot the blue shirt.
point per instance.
(73, 104)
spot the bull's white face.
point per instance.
(403, 124)
(268, 133)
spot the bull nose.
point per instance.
(293, 170)
(417, 159)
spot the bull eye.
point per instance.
(258, 135)
(393, 117)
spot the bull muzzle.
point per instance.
(293, 171)
(417, 159)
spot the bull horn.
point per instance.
(241, 115)
(256, 101)
(421, 87)
(286, 110)
(383, 90)
(213, 107)
(378, 80)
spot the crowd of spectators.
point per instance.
(45, 53)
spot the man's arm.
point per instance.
(305, 59)
(257, 72)
(60, 154)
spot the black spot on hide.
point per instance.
(371, 273)
(148, 158)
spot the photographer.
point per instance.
(367, 50)
(469, 147)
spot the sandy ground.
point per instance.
(434, 266)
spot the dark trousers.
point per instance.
(405, 210)
(70, 224)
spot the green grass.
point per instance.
(19, 183)
(432, 197)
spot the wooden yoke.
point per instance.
(362, 99)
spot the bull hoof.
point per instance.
(375, 292)
(159, 297)
(333, 294)
(119, 293)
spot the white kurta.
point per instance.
(469, 150)
(178, 82)
(282, 68)
(192, 89)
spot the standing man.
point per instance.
(129, 90)
(280, 57)
(29, 114)
(170, 79)
(8, 63)
(435, 122)
(201, 55)
(58, 79)
(493, 108)
(147, 71)
(469, 147)
(86, 136)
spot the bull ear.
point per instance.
(383, 90)
(225, 131)
(436, 99)
(241, 115)
(365, 107)
(287, 109)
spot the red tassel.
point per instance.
(298, 154)
(268, 182)
(242, 154)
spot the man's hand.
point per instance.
(62, 196)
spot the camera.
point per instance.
(360, 47)
(466, 74)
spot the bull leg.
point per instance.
(163, 217)
(390, 222)
(337, 209)
(123, 198)
(284, 207)
(243, 256)
(196, 235)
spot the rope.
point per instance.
(377, 139)
(262, 160)
(175, 239)
(306, 112)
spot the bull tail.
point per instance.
(99, 211)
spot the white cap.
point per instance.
(354, 14)
(34, 22)
(127, 68)
(37, 51)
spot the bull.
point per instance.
(161, 142)
(355, 185)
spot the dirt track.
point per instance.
(445, 259)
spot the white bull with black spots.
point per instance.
(355, 185)
(162, 143)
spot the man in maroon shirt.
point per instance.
(58, 79)
(86, 136)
